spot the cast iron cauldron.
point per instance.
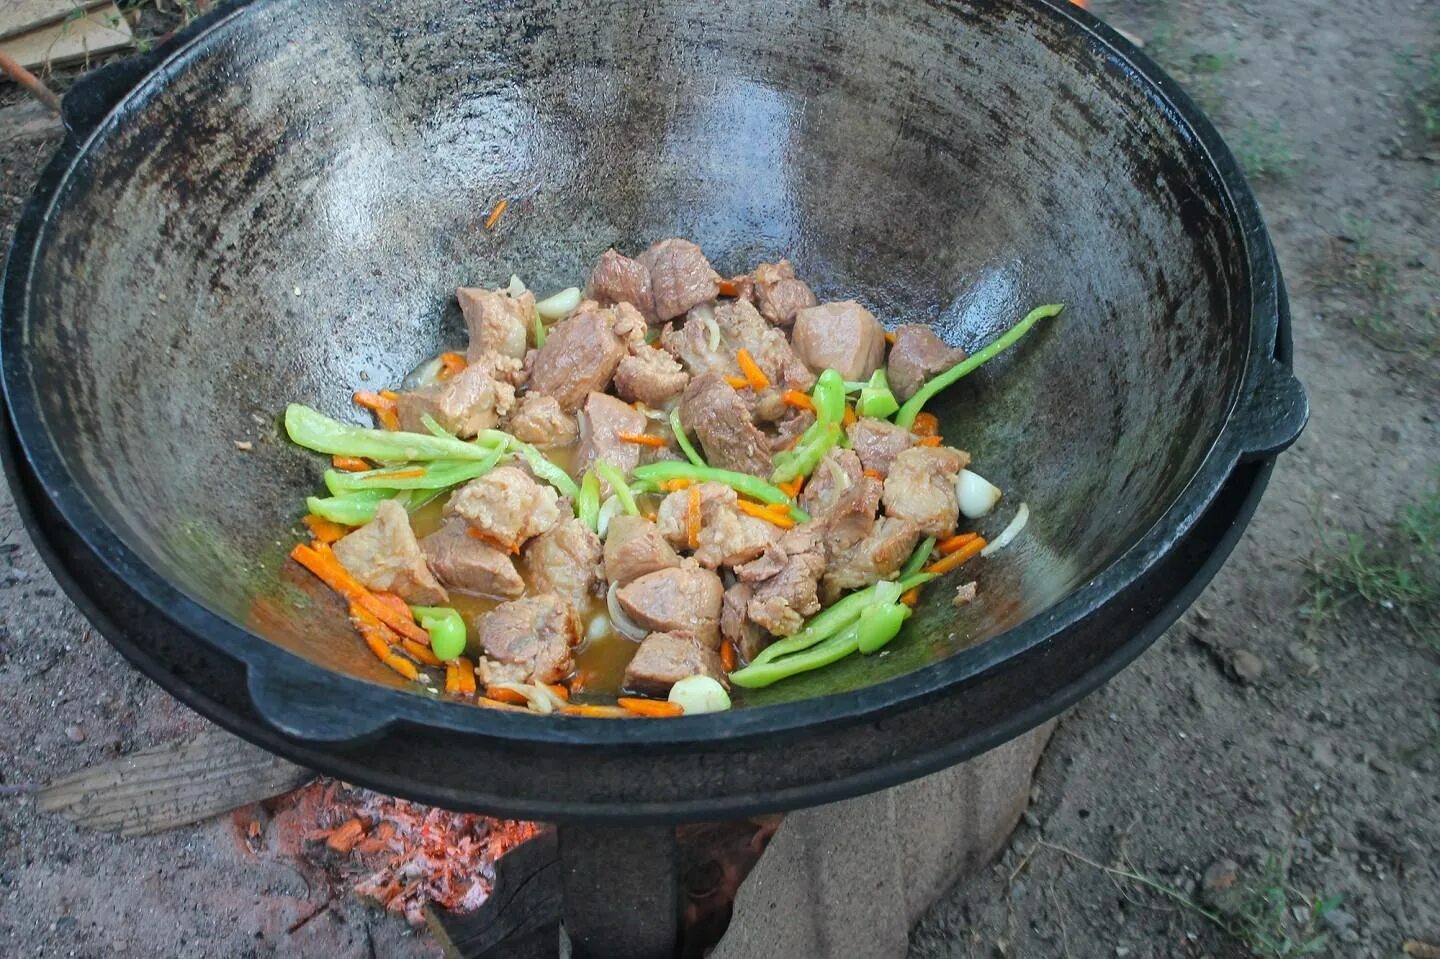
(279, 205)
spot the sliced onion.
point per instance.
(609, 509)
(700, 694)
(707, 316)
(538, 695)
(658, 416)
(621, 620)
(977, 495)
(516, 288)
(598, 627)
(427, 374)
(560, 304)
(838, 476)
(1022, 516)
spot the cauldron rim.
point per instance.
(1264, 415)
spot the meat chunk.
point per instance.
(664, 659)
(634, 547)
(537, 633)
(729, 537)
(680, 277)
(917, 355)
(719, 418)
(878, 556)
(778, 294)
(384, 555)
(842, 500)
(878, 442)
(684, 597)
(462, 562)
(649, 376)
(921, 488)
(539, 420)
(506, 507)
(498, 323)
(470, 401)
(786, 579)
(735, 625)
(619, 279)
(789, 430)
(671, 516)
(840, 336)
(604, 419)
(565, 561)
(740, 327)
(579, 358)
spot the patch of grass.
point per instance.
(1397, 574)
(1264, 150)
(1422, 75)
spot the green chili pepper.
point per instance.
(839, 615)
(446, 629)
(539, 331)
(880, 624)
(876, 399)
(829, 397)
(833, 649)
(352, 509)
(438, 475)
(807, 454)
(316, 431)
(587, 504)
(913, 406)
(616, 479)
(684, 441)
(917, 559)
(752, 486)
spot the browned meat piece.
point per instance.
(917, 355)
(841, 499)
(789, 430)
(729, 537)
(684, 597)
(921, 488)
(536, 633)
(783, 601)
(384, 555)
(670, 518)
(878, 442)
(778, 294)
(497, 322)
(506, 507)
(801, 539)
(538, 419)
(619, 279)
(565, 561)
(506, 369)
(649, 376)
(630, 326)
(470, 401)
(490, 671)
(603, 420)
(735, 625)
(680, 277)
(740, 326)
(719, 418)
(840, 336)
(579, 358)
(462, 562)
(634, 547)
(878, 556)
(664, 659)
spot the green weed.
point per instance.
(1264, 150)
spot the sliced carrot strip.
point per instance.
(642, 439)
(601, 712)
(727, 656)
(727, 288)
(350, 464)
(466, 670)
(559, 690)
(452, 679)
(738, 382)
(650, 707)
(496, 213)
(876, 475)
(926, 424)
(506, 696)
(911, 597)
(378, 646)
(849, 416)
(798, 400)
(324, 530)
(451, 363)
(497, 704)
(792, 488)
(402, 666)
(395, 603)
(676, 485)
(382, 406)
(950, 544)
(958, 558)
(693, 518)
(421, 653)
(320, 561)
(765, 513)
(929, 441)
(889, 337)
(753, 374)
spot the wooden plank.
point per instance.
(27, 121)
(22, 16)
(71, 41)
(520, 920)
(171, 785)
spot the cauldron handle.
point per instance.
(1273, 408)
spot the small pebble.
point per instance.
(1121, 952)
(1032, 820)
(75, 733)
(1247, 666)
(244, 446)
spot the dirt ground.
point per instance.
(1272, 752)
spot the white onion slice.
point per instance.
(977, 495)
(538, 695)
(560, 304)
(707, 316)
(621, 620)
(608, 511)
(427, 374)
(1022, 516)
(516, 288)
(658, 416)
(700, 694)
(599, 626)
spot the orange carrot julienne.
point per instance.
(950, 544)
(601, 712)
(324, 530)
(452, 679)
(876, 475)
(929, 441)
(727, 288)
(641, 439)
(911, 596)
(489, 703)
(390, 395)
(320, 561)
(958, 558)
(450, 364)
(350, 464)
(382, 406)
(496, 213)
(510, 696)
(377, 646)
(420, 653)
(727, 656)
(850, 417)
(402, 666)
(792, 488)
(738, 382)
(926, 424)
(559, 690)
(676, 485)
(765, 513)
(650, 707)
(394, 602)
(890, 337)
(466, 670)
(798, 400)
(753, 374)
(693, 518)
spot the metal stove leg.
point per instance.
(621, 891)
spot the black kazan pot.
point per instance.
(279, 205)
